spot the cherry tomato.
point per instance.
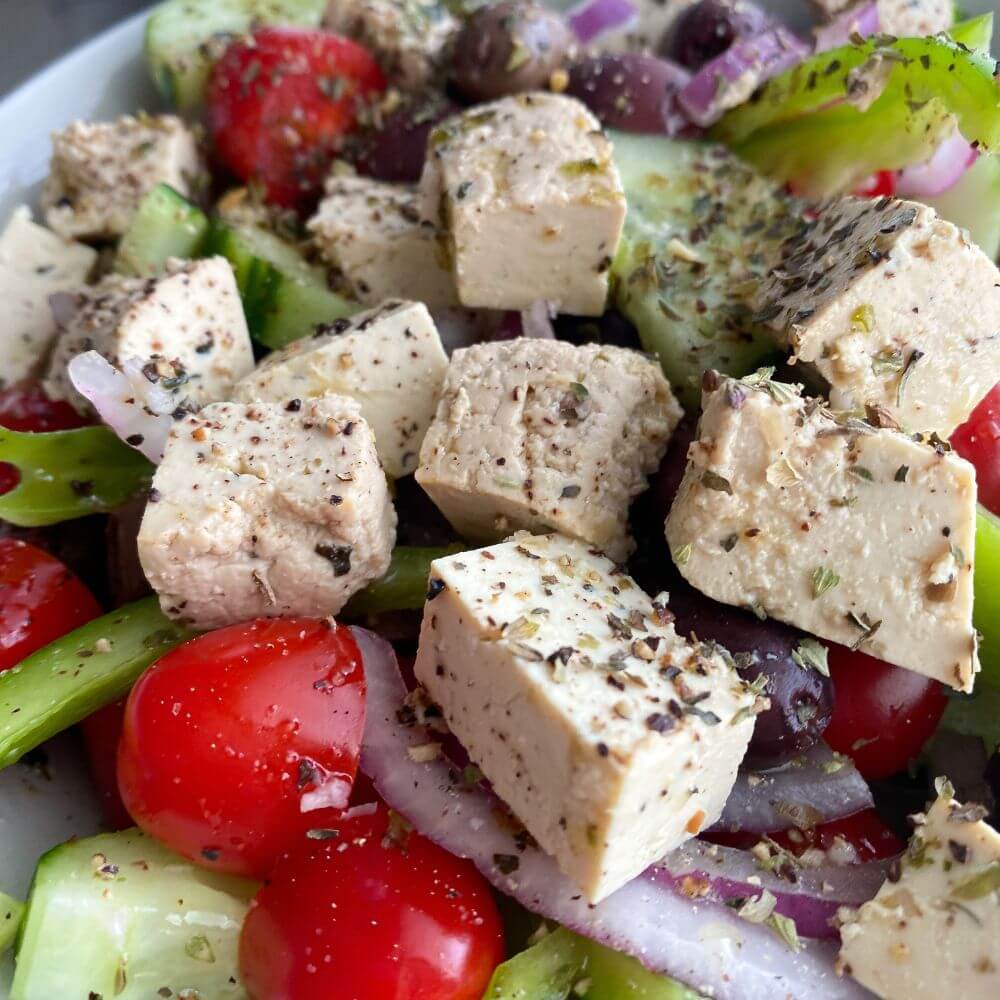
(101, 734)
(978, 440)
(25, 407)
(374, 912)
(882, 715)
(241, 739)
(40, 600)
(280, 104)
(879, 185)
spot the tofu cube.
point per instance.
(100, 172)
(856, 533)
(902, 18)
(528, 194)
(34, 264)
(611, 739)
(410, 40)
(370, 233)
(543, 435)
(263, 509)
(936, 920)
(190, 319)
(892, 306)
(389, 359)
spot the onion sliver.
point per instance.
(941, 172)
(862, 19)
(594, 18)
(697, 942)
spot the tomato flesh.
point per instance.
(238, 741)
(280, 104)
(882, 715)
(881, 184)
(978, 440)
(40, 600)
(373, 912)
(101, 735)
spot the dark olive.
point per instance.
(801, 697)
(611, 328)
(709, 27)
(508, 48)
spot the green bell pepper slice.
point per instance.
(404, 586)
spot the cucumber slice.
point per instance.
(118, 915)
(11, 912)
(166, 225)
(702, 228)
(184, 38)
(284, 297)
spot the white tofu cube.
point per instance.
(935, 923)
(409, 39)
(531, 201)
(370, 233)
(34, 264)
(100, 172)
(191, 318)
(266, 509)
(891, 306)
(389, 359)
(857, 534)
(612, 739)
(902, 18)
(543, 435)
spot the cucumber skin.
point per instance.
(166, 225)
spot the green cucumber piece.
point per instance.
(184, 38)
(404, 586)
(284, 296)
(986, 609)
(702, 229)
(11, 912)
(74, 676)
(166, 225)
(974, 204)
(118, 915)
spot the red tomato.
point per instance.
(882, 715)
(978, 440)
(372, 913)
(241, 739)
(40, 600)
(101, 734)
(879, 185)
(280, 103)
(25, 407)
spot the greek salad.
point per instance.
(509, 498)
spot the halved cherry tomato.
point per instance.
(238, 741)
(101, 735)
(25, 407)
(280, 103)
(40, 600)
(883, 715)
(978, 440)
(879, 185)
(372, 912)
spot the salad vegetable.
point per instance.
(11, 912)
(404, 586)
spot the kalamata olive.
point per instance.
(631, 91)
(126, 579)
(508, 48)
(992, 776)
(394, 149)
(709, 27)
(801, 696)
(611, 328)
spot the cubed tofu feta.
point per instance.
(370, 233)
(610, 738)
(263, 509)
(540, 434)
(935, 924)
(191, 318)
(893, 306)
(389, 359)
(857, 534)
(409, 38)
(100, 172)
(34, 264)
(531, 201)
(902, 18)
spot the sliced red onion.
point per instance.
(594, 18)
(814, 787)
(941, 172)
(860, 20)
(64, 306)
(137, 410)
(728, 80)
(695, 941)
(536, 321)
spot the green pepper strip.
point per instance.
(562, 961)
(64, 682)
(69, 474)
(404, 586)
